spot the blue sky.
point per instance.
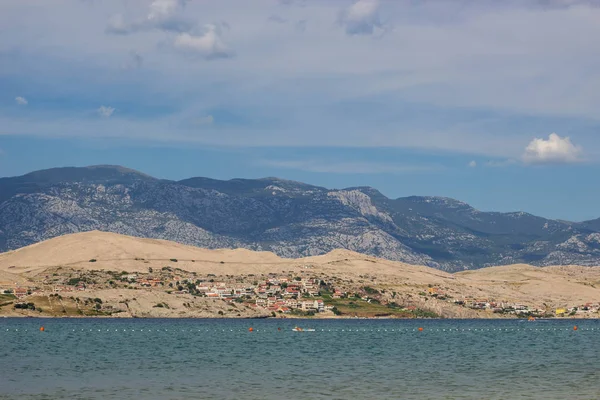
(493, 103)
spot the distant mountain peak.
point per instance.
(88, 172)
(118, 168)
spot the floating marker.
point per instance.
(420, 329)
(250, 329)
(42, 329)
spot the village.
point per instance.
(299, 294)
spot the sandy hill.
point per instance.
(127, 253)
(552, 285)
(124, 251)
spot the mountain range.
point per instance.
(291, 219)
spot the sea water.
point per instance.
(341, 359)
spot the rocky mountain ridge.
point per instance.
(292, 219)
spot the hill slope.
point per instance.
(290, 219)
(69, 256)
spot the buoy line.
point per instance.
(575, 328)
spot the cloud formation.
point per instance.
(554, 150)
(468, 77)
(164, 15)
(22, 101)
(361, 18)
(105, 111)
(472, 164)
(168, 16)
(209, 44)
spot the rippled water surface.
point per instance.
(342, 359)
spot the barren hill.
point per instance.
(101, 251)
(110, 249)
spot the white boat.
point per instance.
(297, 329)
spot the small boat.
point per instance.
(298, 329)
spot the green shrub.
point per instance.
(73, 281)
(370, 290)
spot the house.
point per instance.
(292, 303)
(261, 302)
(312, 305)
(271, 301)
(20, 292)
(320, 306)
(291, 292)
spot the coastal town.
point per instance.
(284, 294)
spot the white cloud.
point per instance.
(160, 9)
(105, 111)
(472, 164)
(555, 150)
(361, 18)
(22, 101)
(165, 15)
(168, 16)
(210, 45)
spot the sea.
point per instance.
(329, 359)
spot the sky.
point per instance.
(492, 103)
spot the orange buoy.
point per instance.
(575, 328)
(420, 329)
(250, 329)
(278, 329)
(42, 329)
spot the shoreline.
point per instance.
(324, 318)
